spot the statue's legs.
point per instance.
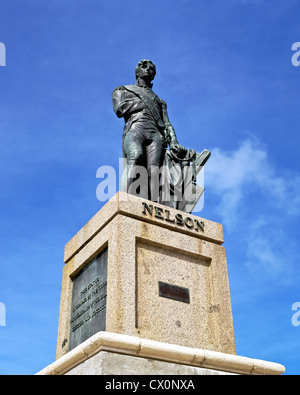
(154, 153)
(143, 151)
(135, 177)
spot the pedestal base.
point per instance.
(145, 291)
(113, 354)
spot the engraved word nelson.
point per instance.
(178, 219)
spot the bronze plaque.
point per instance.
(174, 292)
(88, 308)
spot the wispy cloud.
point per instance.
(260, 200)
(235, 175)
(270, 250)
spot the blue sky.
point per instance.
(224, 68)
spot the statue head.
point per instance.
(146, 70)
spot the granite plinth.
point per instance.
(150, 244)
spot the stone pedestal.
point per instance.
(141, 269)
(145, 291)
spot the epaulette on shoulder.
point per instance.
(119, 88)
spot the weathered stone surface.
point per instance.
(106, 363)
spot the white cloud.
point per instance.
(239, 177)
(269, 249)
(234, 175)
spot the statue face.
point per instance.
(146, 70)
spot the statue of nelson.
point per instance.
(147, 130)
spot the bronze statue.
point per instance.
(147, 134)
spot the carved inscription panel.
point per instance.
(88, 309)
